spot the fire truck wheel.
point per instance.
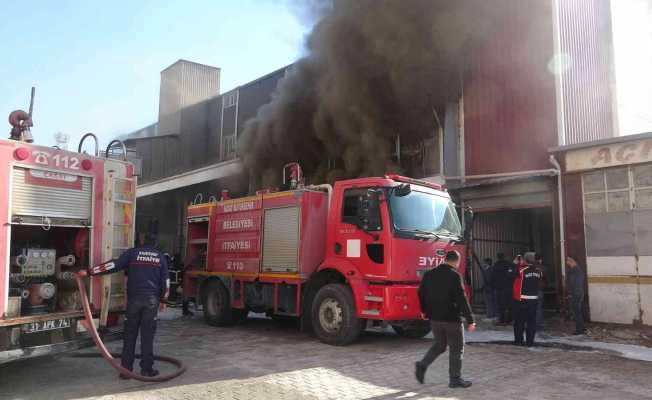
(413, 331)
(217, 304)
(333, 315)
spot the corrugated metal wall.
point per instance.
(515, 232)
(199, 82)
(184, 83)
(585, 41)
(509, 94)
(501, 232)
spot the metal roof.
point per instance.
(613, 140)
(494, 181)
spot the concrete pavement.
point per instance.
(265, 360)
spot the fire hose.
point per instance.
(108, 356)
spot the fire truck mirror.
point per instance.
(402, 190)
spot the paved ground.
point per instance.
(263, 360)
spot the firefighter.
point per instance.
(147, 291)
(443, 302)
(526, 300)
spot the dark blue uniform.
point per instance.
(147, 286)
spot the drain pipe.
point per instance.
(324, 187)
(562, 233)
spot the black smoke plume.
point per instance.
(375, 69)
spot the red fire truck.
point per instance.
(339, 258)
(60, 211)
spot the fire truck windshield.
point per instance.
(420, 213)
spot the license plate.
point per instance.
(42, 326)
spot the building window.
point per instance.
(229, 146)
(618, 189)
(618, 211)
(230, 99)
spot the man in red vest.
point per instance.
(526, 300)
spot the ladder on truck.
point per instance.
(118, 232)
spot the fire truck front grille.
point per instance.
(36, 193)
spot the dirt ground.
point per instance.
(264, 360)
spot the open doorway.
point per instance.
(514, 232)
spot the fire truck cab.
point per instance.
(338, 258)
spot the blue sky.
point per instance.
(96, 64)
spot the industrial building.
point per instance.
(189, 154)
(607, 203)
(492, 149)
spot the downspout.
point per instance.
(324, 187)
(562, 233)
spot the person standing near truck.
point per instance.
(575, 281)
(147, 290)
(443, 302)
(488, 289)
(544, 283)
(526, 300)
(503, 274)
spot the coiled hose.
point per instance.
(88, 324)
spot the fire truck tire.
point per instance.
(217, 304)
(333, 315)
(415, 331)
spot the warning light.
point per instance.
(21, 154)
(87, 165)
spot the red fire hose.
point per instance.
(88, 324)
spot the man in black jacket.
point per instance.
(575, 282)
(502, 275)
(443, 301)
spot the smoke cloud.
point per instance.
(375, 69)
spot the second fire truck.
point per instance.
(338, 258)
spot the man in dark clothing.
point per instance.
(486, 270)
(503, 275)
(575, 281)
(544, 271)
(443, 302)
(147, 287)
(526, 299)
